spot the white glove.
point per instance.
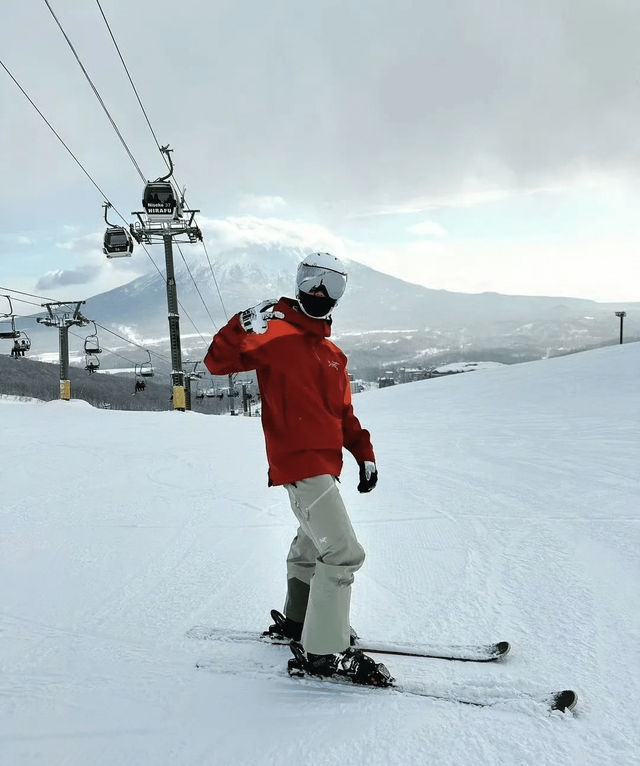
(256, 319)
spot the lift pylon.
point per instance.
(63, 320)
(164, 219)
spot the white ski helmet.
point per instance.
(324, 273)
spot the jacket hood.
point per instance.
(321, 328)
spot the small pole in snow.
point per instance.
(622, 315)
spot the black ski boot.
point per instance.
(362, 669)
(283, 628)
(351, 664)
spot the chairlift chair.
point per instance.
(145, 369)
(8, 329)
(91, 343)
(92, 363)
(6, 332)
(25, 342)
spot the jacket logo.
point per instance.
(335, 365)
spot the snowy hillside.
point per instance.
(508, 508)
(381, 321)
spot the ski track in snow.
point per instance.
(507, 508)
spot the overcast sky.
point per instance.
(467, 145)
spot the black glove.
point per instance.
(368, 476)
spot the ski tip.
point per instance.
(564, 700)
(502, 648)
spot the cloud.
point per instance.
(85, 242)
(63, 277)
(241, 231)
(22, 240)
(407, 101)
(428, 229)
(261, 203)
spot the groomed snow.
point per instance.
(508, 508)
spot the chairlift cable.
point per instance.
(135, 90)
(97, 94)
(197, 288)
(104, 348)
(102, 193)
(62, 141)
(31, 303)
(133, 343)
(186, 313)
(206, 252)
(31, 295)
(44, 298)
(55, 132)
(155, 138)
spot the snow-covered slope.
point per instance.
(507, 508)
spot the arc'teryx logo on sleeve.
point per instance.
(335, 365)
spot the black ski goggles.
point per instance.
(318, 278)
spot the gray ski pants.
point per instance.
(322, 559)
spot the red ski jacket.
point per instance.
(307, 416)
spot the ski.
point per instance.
(460, 652)
(562, 701)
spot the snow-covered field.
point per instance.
(508, 508)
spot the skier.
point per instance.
(307, 418)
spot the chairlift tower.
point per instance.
(63, 320)
(163, 220)
(232, 394)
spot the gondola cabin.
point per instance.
(117, 242)
(161, 202)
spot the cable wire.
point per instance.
(51, 300)
(135, 90)
(206, 308)
(97, 94)
(102, 194)
(104, 348)
(132, 343)
(215, 280)
(55, 132)
(155, 138)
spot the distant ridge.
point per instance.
(381, 321)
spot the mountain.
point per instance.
(381, 322)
